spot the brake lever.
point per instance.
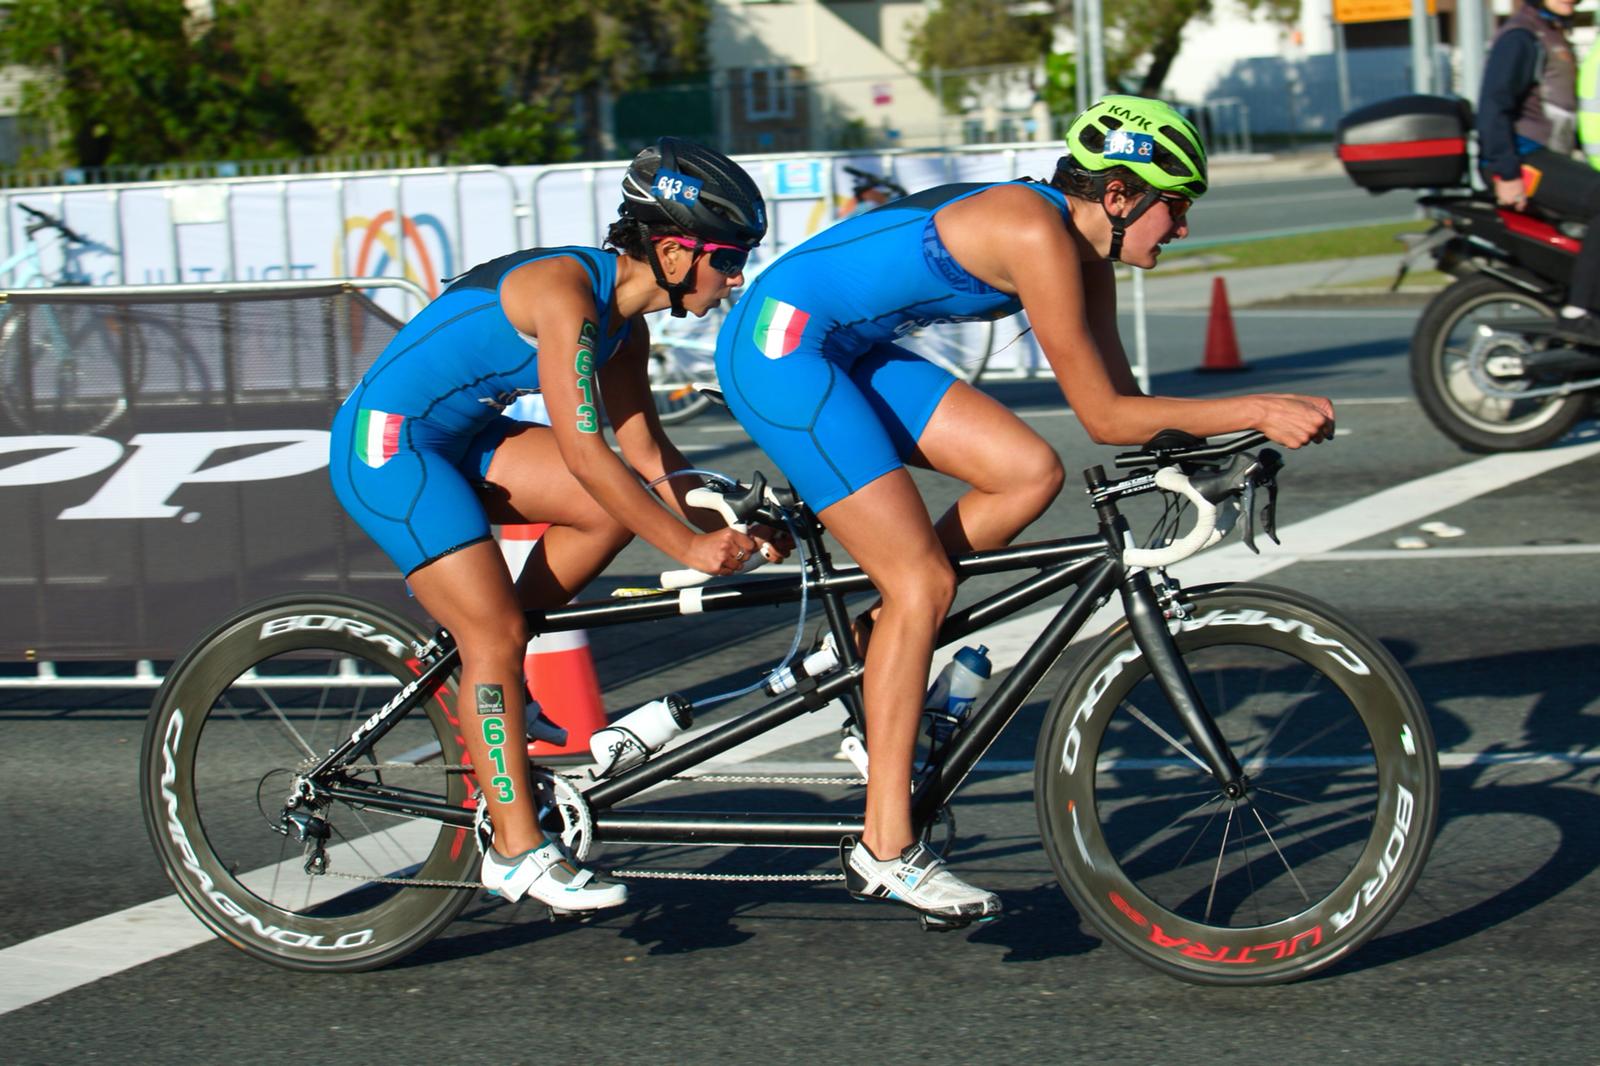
(1269, 512)
(1248, 508)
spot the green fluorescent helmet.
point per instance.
(1148, 137)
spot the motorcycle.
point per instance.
(1489, 361)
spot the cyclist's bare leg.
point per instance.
(885, 528)
(469, 593)
(531, 483)
(1013, 472)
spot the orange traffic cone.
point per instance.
(1222, 345)
(558, 666)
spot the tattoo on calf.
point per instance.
(588, 411)
(492, 704)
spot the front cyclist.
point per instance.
(809, 365)
(423, 459)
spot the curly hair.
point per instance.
(632, 238)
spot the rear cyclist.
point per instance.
(808, 364)
(423, 459)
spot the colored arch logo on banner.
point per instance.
(427, 256)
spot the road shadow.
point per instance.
(1473, 883)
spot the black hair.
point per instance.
(632, 238)
(1090, 184)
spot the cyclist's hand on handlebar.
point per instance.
(721, 552)
(773, 544)
(1295, 421)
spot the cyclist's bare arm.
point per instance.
(625, 381)
(550, 300)
(1041, 262)
(1100, 304)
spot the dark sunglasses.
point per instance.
(725, 259)
(1177, 206)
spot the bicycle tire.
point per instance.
(1344, 792)
(79, 375)
(219, 753)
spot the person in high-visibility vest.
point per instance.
(1589, 105)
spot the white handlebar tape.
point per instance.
(1202, 536)
(711, 500)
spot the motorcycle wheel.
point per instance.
(1442, 377)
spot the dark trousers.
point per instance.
(1570, 189)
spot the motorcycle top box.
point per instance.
(1406, 142)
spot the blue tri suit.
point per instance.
(412, 444)
(807, 359)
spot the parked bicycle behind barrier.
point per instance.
(682, 349)
(63, 370)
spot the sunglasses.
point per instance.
(1177, 206)
(725, 259)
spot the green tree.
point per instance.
(492, 81)
(1141, 42)
(138, 81)
(963, 34)
(142, 81)
(1143, 39)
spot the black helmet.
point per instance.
(697, 190)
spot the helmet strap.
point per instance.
(676, 291)
(1120, 223)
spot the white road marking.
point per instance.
(69, 958)
(1377, 554)
(58, 962)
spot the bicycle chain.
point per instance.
(851, 780)
(637, 875)
(690, 875)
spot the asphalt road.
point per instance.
(1488, 961)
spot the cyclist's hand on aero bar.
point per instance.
(721, 552)
(1295, 421)
(774, 544)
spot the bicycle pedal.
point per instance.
(932, 923)
(561, 914)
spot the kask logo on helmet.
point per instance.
(1128, 116)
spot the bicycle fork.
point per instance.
(1148, 622)
(1155, 641)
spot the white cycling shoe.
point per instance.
(548, 876)
(917, 878)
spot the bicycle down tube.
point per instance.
(1084, 562)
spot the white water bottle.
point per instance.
(639, 734)
(819, 662)
(954, 690)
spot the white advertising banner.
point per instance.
(427, 225)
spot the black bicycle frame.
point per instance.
(1092, 564)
